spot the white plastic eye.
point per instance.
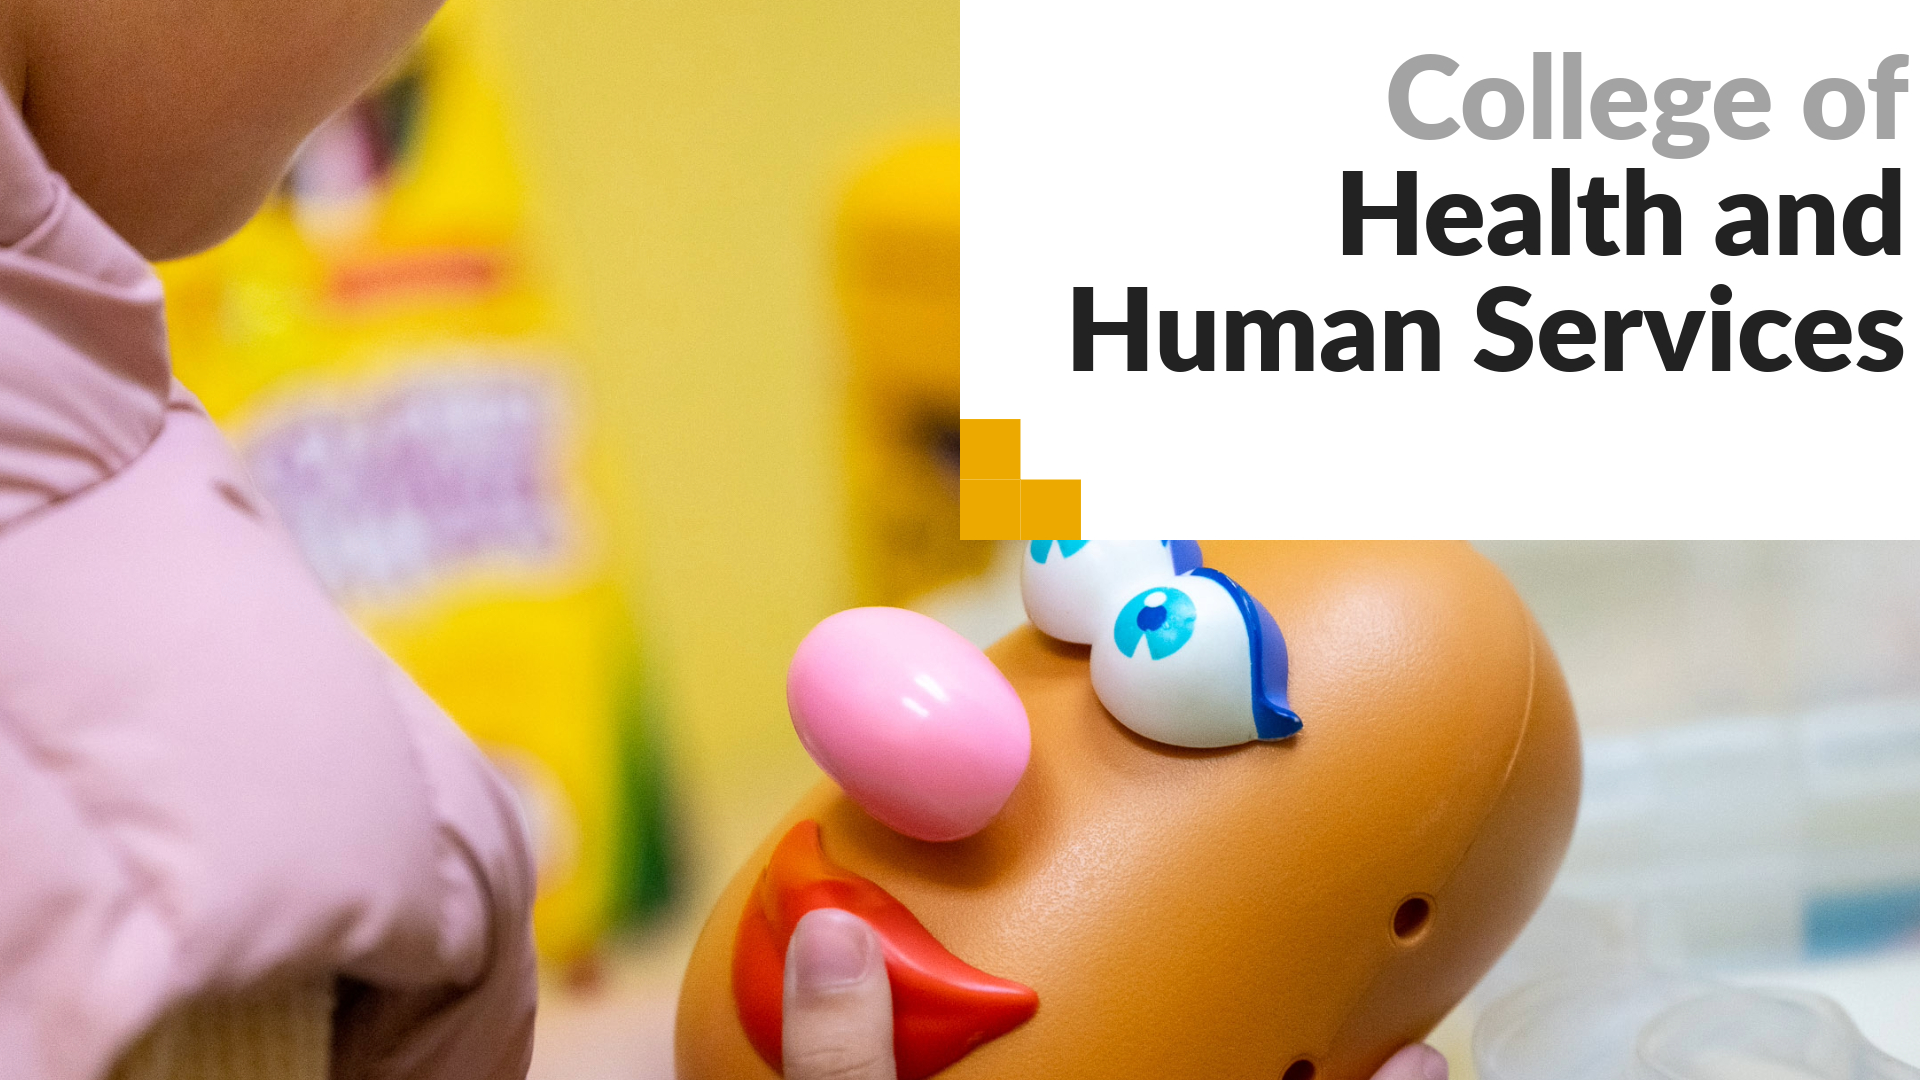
(1195, 660)
(1073, 587)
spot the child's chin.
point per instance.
(160, 230)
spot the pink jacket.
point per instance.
(208, 778)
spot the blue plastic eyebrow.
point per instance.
(1273, 715)
(1186, 555)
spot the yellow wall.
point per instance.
(685, 159)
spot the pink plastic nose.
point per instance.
(910, 719)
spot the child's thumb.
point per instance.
(838, 1011)
(1416, 1062)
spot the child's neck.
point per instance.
(13, 55)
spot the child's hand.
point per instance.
(1416, 1062)
(838, 1022)
(839, 1010)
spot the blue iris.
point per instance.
(1040, 549)
(1163, 616)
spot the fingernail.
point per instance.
(831, 949)
(1433, 1064)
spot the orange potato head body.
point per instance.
(1294, 907)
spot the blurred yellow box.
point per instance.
(899, 278)
(385, 351)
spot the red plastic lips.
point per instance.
(942, 1007)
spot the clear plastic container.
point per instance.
(1729, 1034)
(1643, 1025)
(1756, 840)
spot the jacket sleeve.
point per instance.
(480, 1027)
(210, 782)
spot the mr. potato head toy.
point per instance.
(1240, 811)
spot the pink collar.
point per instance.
(84, 374)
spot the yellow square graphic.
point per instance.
(989, 450)
(1049, 509)
(990, 509)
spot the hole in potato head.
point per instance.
(1410, 919)
(1299, 1070)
